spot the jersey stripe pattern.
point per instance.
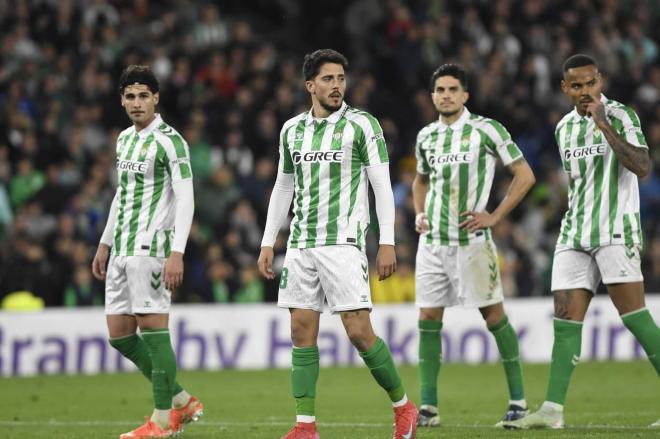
(328, 159)
(603, 196)
(148, 163)
(460, 162)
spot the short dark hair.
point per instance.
(453, 70)
(313, 62)
(578, 60)
(135, 74)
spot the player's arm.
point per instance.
(420, 188)
(183, 217)
(633, 157)
(379, 177)
(101, 256)
(278, 208)
(522, 181)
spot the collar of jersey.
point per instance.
(333, 118)
(576, 115)
(457, 124)
(144, 132)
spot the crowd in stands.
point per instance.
(230, 77)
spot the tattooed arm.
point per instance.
(635, 159)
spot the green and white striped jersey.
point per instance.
(460, 161)
(328, 158)
(603, 196)
(148, 162)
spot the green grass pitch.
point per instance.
(605, 400)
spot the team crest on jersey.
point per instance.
(336, 136)
(450, 159)
(335, 156)
(465, 142)
(585, 152)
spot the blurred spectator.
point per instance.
(230, 77)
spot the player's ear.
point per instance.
(466, 96)
(309, 85)
(156, 98)
(564, 86)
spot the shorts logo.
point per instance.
(155, 280)
(492, 268)
(147, 304)
(585, 152)
(317, 156)
(364, 299)
(365, 273)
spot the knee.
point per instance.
(361, 339)
(301, 335)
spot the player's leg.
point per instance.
(620, 267)
(480, 285)
(507, 344)
(433, 292)
(575, 276)
(629, 301)
(377, 356)
(430, 361)
(300, 292)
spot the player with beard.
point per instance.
(603, 151)
(328, 157)
(457, 260)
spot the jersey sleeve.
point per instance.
(631, 128)
(177, 157)
(285, 164)
(373, 151)
(500, 142)
(423, 166)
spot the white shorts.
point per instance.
(135, 285)
(457, 275)
(336, 273)
(583, 268)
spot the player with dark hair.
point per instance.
(457, 260)
(603, 151)
(147, 230)
(328, 157)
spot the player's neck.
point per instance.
(448, 120)
(319, 112)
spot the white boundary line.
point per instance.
(54, 423)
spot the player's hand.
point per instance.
(385, 261)
(265, 262)
(596, 110)
(99, 262)
(477, 220)
(173, 273)
(421, 222)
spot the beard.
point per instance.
(330, 107)
(449, 113)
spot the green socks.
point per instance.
(507, 343)
(136, 350)
(304, 373)
(379, 361)
(430, 359)
(565, 356)
(647, 333)
(163, 366)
